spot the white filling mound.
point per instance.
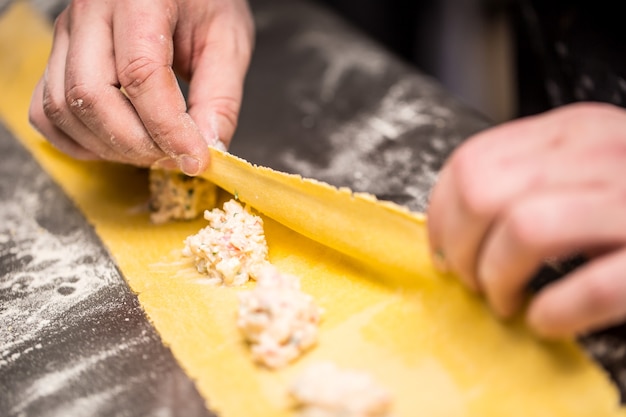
(278, 319)
(323, 390)
(231, 248)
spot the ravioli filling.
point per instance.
(277, 318)
(232, 248)
(323, 390)
(176, 196)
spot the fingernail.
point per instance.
(165, 163)
(212, 137)
(219, 145)
(439, 261)
(189, 165)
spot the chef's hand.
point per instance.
(539, 188)
(100, 46)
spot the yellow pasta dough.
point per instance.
(434, 346)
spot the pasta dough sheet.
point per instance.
(434, 346)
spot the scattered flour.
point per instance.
(57, 281)
(402, 136)
(341, 55)
(69, 375)
(71, 274)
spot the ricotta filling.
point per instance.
(232, 248)
(278, 320)
(323, 390)
(176, 196)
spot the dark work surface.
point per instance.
(74, 340)
(320, 100)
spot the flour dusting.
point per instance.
(393, 150)
(69, 375)
(74, 340)
(31, 299)
(341, 56)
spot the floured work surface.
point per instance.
(74, 339)
(434, 346)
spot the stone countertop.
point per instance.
(321, 100)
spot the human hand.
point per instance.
(540, 188)
(100, 46)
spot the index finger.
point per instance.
(143, 32)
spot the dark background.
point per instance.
(557, 46)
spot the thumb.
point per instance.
(216, 82)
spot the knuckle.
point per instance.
(79, 98)
(140, 152)
(128, 154)
(166, 136)
(77, 10)
(54, 109)
(473, 192)
(523, 228)
(137, 72)
(228, 109)
(238, 20)
(79, 5)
